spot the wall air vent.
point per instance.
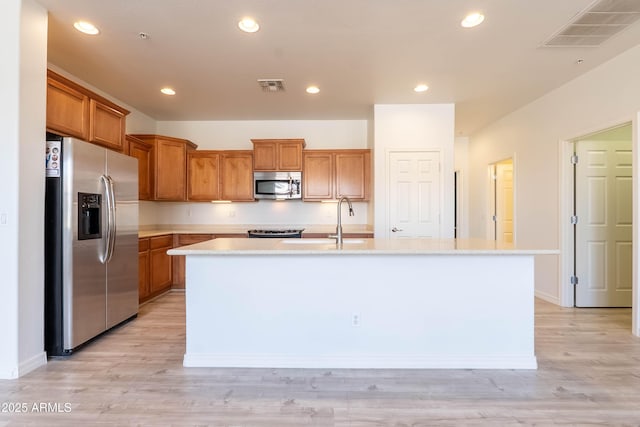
(271, 85)
(596, 24)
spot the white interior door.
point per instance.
(414, 194)
(604, 229)
(504, 201)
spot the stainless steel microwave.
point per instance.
(277, 185)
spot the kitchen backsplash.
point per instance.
(263, 212)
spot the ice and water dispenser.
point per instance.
(89, 216)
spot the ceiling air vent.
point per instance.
(271, 85)
(596, 24)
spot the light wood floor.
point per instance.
(589, 374)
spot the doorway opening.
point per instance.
(602, 218)
(501, 204)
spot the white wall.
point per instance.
(601, 98)
(9, 121)
(264, 212)
(414, 127)
(237, 135)
(22, 119)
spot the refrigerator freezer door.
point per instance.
(84, 299)
(122, 269)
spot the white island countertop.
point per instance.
(375, 246)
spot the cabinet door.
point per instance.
(237, 176)
(160, 273)
(143, 152)
(290, 156)
(143, 275)
(143, 269)
(203, 169)
(264, 156)
(160, 263)
(353, 174)
(170, 170)
(318, 175)
(67, 110)
(106, 126)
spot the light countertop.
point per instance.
(243, 246)
(152, 231)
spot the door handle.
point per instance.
(395, 229)
(111, 218)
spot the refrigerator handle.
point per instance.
(111, 218)
(112, 224)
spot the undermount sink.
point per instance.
(319, 241)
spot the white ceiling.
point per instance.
(359, 52)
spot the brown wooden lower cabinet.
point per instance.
(155, 269)
(143, 269)
(160, 273)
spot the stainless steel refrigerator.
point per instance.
(91, 242)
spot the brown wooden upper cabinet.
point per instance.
(203, 175)
(236, 179)
(73, 110)
(220, 175)
(106, 125)
(331, 174)
(169, 160)
(142, 151)
(277, 154)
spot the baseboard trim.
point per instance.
(547, 297)
(24, 367)
(201, 360)
(32, 363)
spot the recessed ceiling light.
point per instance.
(421, 88)
(248, 25)
(168, 91)
(86, 27)
(472, 19)
(313, 89)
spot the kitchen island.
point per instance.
(372, 303)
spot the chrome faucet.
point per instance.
(338, 235)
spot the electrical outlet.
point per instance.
(232, 213)
(3, 218)
(355, 319)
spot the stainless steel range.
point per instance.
(276, 233)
